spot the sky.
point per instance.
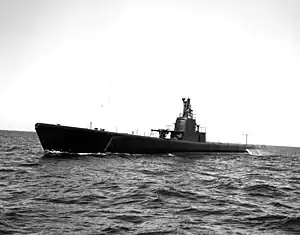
(125, 65)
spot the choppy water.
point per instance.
(143, 194)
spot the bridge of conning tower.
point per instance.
(186, 127)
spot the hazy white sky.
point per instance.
(129, 63)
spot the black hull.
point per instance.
(80, 140)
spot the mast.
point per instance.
(187, 109)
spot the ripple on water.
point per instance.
(145, 194)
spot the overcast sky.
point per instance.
(127, 64)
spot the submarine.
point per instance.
(186, 137)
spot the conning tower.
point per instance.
(186, 127)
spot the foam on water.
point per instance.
(254, 152)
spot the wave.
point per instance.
(29, 164)
(291, 224)
(151, 172)
(254, 152)
(263, 190)
(172, 192)
(13, 169)
(63, 153)
(261, 152)
(115, 229)
(7, 169)
(6, 227)
(226, 184)
(129, 218)
(85, 199)
(278, 204)
(202, 212)
(157, 232)
(269, 221)
(13, 148)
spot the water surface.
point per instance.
(146, 194)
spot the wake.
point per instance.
(259, 152)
